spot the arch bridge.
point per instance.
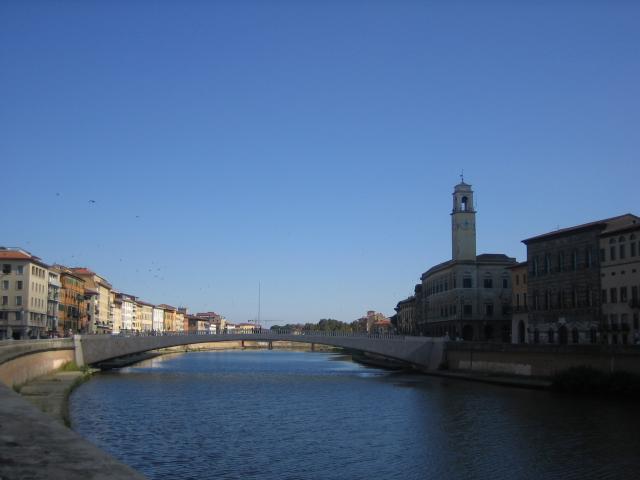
(423, 352)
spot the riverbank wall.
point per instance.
(36, 446)
(22, 361)
(542, 361)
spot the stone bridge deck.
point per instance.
(424, 352)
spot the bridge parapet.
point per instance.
(424, 352)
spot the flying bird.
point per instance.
(92, 201)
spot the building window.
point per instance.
(634, 296)
(593, 335)
(623, 294)
(19, 270)
(524, 278)
(613, 295)
(534, 267)
(547, 263)
(560, 261)
(19, 300)
(5, 300)
(612, 253)
(547, 300)
(624, 321)
(466, 282)
(19, 285)
(467, 309)
(574, 260)
(551, 336)
(5, 284)
(622, 252)
(575, 336)
(505, 283)
(488, 309)
(517, 279)
(6, 268)
(636, 321)
(536, 336)
(602, 259)
(632, 248)
(488, 283)
(588, 257)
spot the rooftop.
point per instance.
(605, 225)
(10, 253)
(484, 258)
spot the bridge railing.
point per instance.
(266, 334)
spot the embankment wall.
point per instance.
(538, 360)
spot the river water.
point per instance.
(260, 414)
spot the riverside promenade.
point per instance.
(33, 445)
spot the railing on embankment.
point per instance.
(23, 360)
(532, 360)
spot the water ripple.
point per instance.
(299, 415)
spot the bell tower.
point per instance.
(463, 223)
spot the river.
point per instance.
(260, 414)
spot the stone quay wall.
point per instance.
(22, 361)
(538, 360)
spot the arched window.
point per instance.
(575, 336)
(562, 335)
(463, 204)
(521, 332)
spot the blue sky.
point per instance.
(309, 146)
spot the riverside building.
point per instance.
(24, 294)
(569, 299)
(619, 284)
(519, 303)
(73, 309)
(469, 296)
(100, 291)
